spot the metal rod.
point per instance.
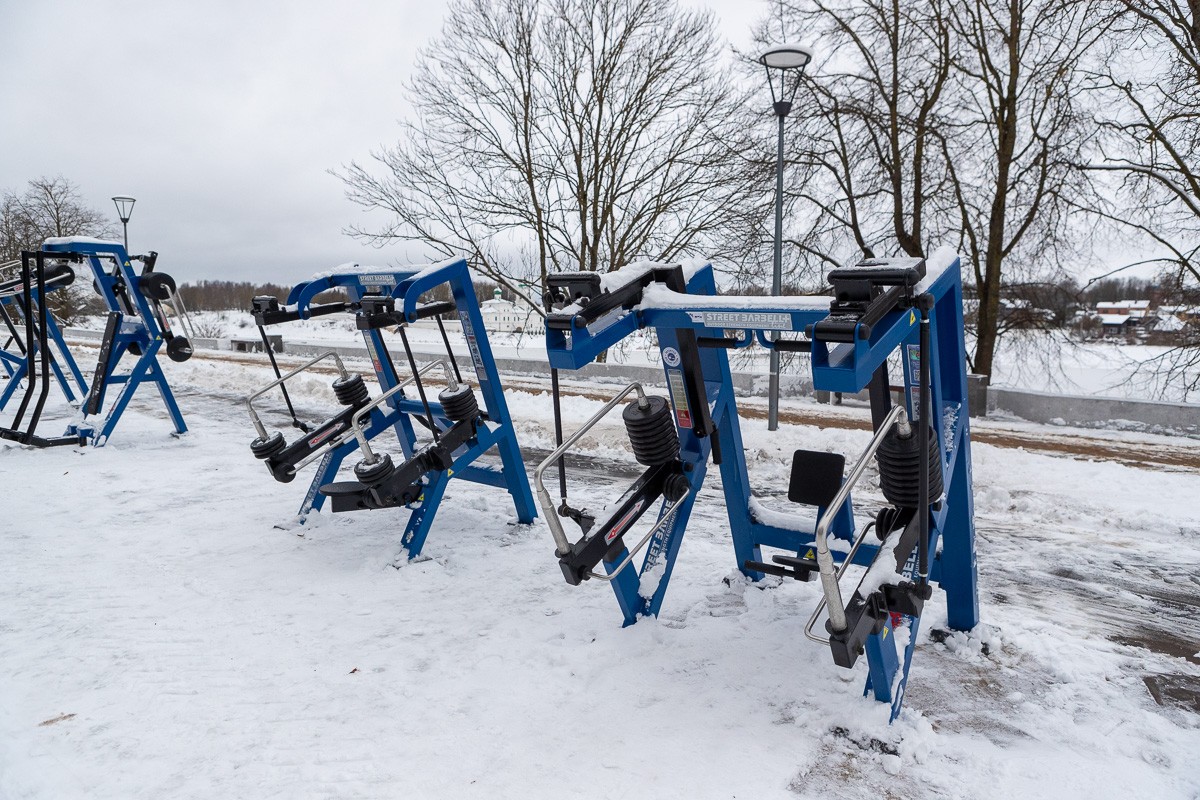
(558, 434)
(12, 329)
(296, 423)
(357, 431)
(449, 352)
(829, 577)
(262, 431)
(776, 281)
(846, 562)
(412, 364)
(556, 529)
(180, 309)
(43, 348)
(30, 354)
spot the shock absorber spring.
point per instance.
(899, 457)
(651, 429)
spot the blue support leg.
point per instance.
(421, 519)
(882, 663)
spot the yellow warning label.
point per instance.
(885, 632)
(912, 317)
(810, 553)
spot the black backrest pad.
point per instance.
(816, 477)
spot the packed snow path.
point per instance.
(159, 637)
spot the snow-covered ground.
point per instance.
(160, 637)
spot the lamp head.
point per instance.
(779, 61)
(124, 207)
(787, 56)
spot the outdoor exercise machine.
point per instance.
(137, 326)
(458, 431)
(34, 352)
(925, 532)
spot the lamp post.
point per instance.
(779, 61)
(124, 211)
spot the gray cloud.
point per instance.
(221, 118)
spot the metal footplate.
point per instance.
(800, 569)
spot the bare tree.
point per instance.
(1147, 89)
(867, 159)
(1019, 130)
(944, 122)
(567, 135)
(47, 208)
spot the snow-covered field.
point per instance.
(160, 637)
(1033, 360)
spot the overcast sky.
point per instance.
(221, 118)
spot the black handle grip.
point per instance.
(435, 309)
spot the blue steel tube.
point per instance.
(924, 414)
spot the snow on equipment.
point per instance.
(459, 431)
(924, 535)
(137, 326)
(34, 349)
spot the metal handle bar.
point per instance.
(258, 426)
(356, 429)
(840, 572)
(181, 314)
(830, 575)
(556, 529)
(662, 521)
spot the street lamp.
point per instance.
(779, 61)
(124, 210)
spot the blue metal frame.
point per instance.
(406, 285)
(16, 365)
(111, 266)
(836, 368)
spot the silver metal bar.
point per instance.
(662, 522)
(181, 314)
(356, 430)
(829, 574)
(841, 571)
(258, 426)
(551, 513)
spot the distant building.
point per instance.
(1122, 316)
(502, 316)
(1136, 310)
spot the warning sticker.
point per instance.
(683, 413)
(373, 354)
(472, 345)
(912, 362)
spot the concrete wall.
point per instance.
(96, 336)
(745, 383)
(1041, 407)
(1107, 412)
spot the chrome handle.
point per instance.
(258, 426)
(829, 574)
(551, 513)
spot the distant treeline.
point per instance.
(236, 295)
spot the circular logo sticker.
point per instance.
(671, 357)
